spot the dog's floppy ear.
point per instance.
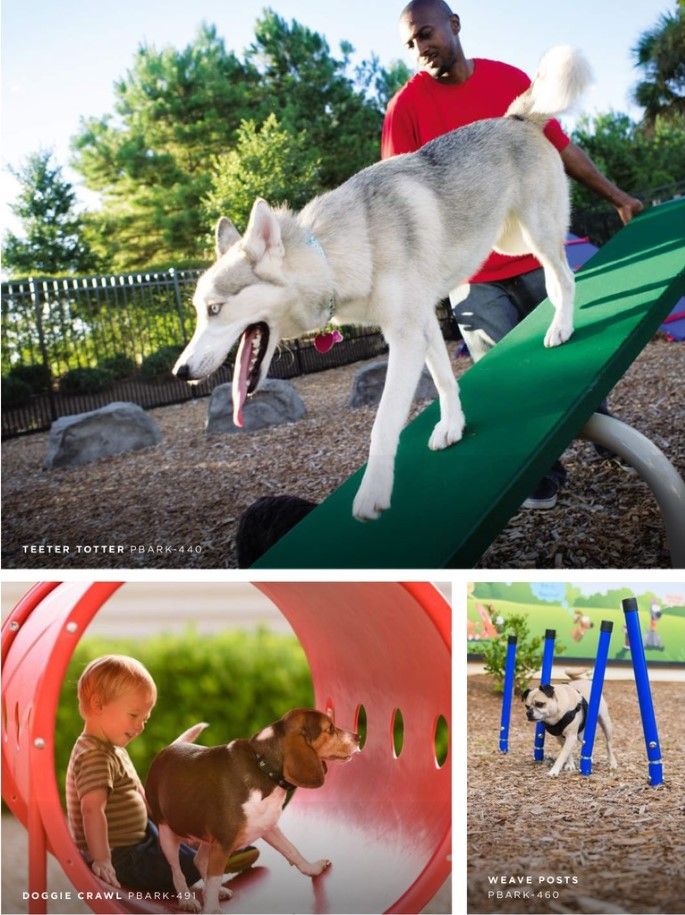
(301, 763)
(263, 233)
(524, 694)
(225, 235)
(547, 689)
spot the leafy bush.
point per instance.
(272, 161)
(15, 392)
(159, 364)
(237, 681)
(37, 377)
(84, 381)
(118, 366)
(528, 652)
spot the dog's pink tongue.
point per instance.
(241, 373)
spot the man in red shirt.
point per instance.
(452, 91)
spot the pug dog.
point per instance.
(563, 709)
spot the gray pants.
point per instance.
(491, 310)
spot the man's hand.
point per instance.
(105, 871)
(628, 208)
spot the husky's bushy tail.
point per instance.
(563, 75)
(191, 734)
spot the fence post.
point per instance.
(33, 287)
(298, 358)
(605, 630)
(509, 671)
(179, 303)
(644, 693)
(545, 677)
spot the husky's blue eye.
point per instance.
(214, 308)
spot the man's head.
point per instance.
(430, 29)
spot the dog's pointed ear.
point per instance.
(225, 235)
(301, 763)
(524, 694)
(547, 689)
(263, 233)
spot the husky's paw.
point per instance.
(570, 766)
(558, 333)
(552, 773)
(446, 433)
(225, 893)
(189, 903)
(369, 508)
(371, 500)
(315, 868)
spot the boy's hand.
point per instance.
(105, 871)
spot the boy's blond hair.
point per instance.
(109, 677)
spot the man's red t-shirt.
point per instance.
(424, 109)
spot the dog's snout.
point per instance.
(183, 372)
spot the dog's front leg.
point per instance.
(277, 840)
(405, 360)
(449, 429)
(564, 754)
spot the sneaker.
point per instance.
(544, 495)
(242, 859)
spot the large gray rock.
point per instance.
(276, 402)
(369, 380)
(87, 437)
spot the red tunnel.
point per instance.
(383, 819)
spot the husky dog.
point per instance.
(384, 248)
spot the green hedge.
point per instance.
(15, 392)
(85, 381)
(158, 365)
(237, 681)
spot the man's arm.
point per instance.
(579, 166)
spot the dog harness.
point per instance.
(558, 729)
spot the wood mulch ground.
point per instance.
(180, 502)
(622, 840)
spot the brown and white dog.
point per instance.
(227, 796)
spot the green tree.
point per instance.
(660, 53)
(311, 90)
(268, 162)
(177, 111)
(150, 161)
(53, 239)
(635, 158)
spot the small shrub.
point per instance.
(37, 377)
(84, 381)
(15, 392)
(119, 366)
(159, 364)
(528, 652)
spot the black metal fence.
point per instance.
(59, 325)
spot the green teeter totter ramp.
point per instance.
(523, 405)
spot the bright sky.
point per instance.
(62, 57)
